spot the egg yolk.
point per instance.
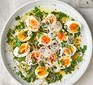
(36, 55)
(45, 39)
(41, 71)
(61, 36)
(52, 20)
(33, 24)
(22, 35)
(72, 49)
(67, 51)
(23, 48)
(74, 27)
(65, 61)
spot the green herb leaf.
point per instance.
(53, 77)
(22, 25)
(33, 60)
(39, 34)
(79, 59)
(83, 49)
(69, 69)
(42, 63)
(36, 42)
(19, 52)
(27, 79)
(17, 18)
(77, 34)
(38, 13)
(63, 44)
(18, 43)
(33, 77)
(20, 59)
(19, 73)
(59, 15)
(25, 33)
(31, 35)
(10, 38)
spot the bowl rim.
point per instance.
(58, 1)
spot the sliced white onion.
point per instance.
(57, 69)
(46, 52)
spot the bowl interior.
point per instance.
(48, 4)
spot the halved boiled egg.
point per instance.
(72, 49)
(61, 36)
(50, 20)
(41, 72)
(24, 35)
(32, 23)
(45, 39)
(73, 26)
(22, 50)
(65, 62)
(67, 51)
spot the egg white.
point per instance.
(57, 69)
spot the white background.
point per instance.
(7, 7)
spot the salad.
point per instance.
(46, 46)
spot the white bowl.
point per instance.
(51, 4)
